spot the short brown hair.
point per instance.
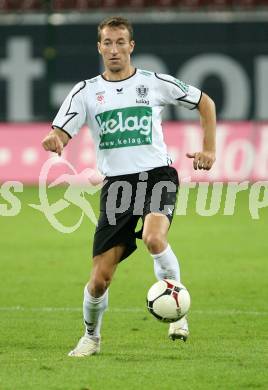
(115, 21)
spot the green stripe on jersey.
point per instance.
(145, 73)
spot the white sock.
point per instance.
(166, 265)
(93, 309)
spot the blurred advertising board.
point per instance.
(242, 151)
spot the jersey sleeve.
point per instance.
(175, 91)
(72, 113)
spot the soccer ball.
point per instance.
(168, 300)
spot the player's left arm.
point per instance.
(206, 158)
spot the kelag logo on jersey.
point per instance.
(131, 126)
(142, 92)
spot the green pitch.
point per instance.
(43, 273)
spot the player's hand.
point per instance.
(53, 143)
(202, 160)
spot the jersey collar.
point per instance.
(119, 81)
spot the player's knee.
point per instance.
(155, 242)
(99, 284)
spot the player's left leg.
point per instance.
(166, 265)
(155, 231)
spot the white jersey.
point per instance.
(125, 118)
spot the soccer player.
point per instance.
(123, 109)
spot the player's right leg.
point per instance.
(96, 300)
(112, 244)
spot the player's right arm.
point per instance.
(68, 121)
(55, 141)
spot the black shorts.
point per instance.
(127, 198)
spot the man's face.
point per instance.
(115, 48)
